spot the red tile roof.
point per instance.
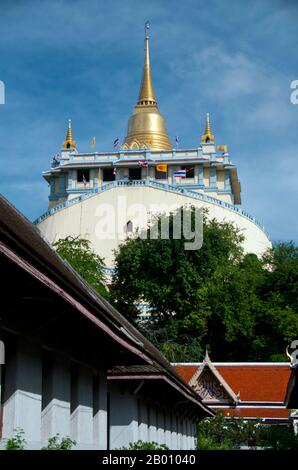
(257, 383)
(186, 372)
(254, 382)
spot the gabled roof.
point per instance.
(207, 364)
(256, 382)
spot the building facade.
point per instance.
(146, 170)
(66, 349)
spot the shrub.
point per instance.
(17, 442)
(58, 443)
(141, 445)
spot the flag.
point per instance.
(116, 142)
(93, 142)
(84, 180)
(177, 139)
(162, 168)
(180, 174)
(56, 158)
(114, 167)
(143, 162)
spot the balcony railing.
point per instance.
(151, 183)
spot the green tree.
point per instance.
(238, 306)
(231, 433)
(78, 253)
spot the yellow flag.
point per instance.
(92, 142)
(162, 168)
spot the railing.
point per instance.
(154, 184)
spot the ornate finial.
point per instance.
(147, 95)
(206, 358)
(207, 137)
(69, 143)
(147, 26)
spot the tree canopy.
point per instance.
(78, 253)
(238, 306)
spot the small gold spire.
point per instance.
(69, 143)
(207, 137)
(146, 126)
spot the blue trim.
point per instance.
(201, 175)
(69, 186)
(153, 184)
(227, 180)
(213, 177)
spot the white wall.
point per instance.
(129, 422)
(83, 218)
(40, 398)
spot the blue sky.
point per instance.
(82, 60)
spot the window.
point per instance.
(108, 174)
(135, 173)
(190, 171)
(129, 226)
(83, 176)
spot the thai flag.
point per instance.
(143, 162)
(180, 174)
(56, 157)
(84, 180)
(116, 142)
(177, 139)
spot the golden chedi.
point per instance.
(146, 126)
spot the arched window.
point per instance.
(129, 226)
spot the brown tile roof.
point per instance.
(257, 383)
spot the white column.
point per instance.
(168, 427)
(100, 415)
(81, 419)
(123, 418)
(143, 422)
(188, 434)
(55, 397)
(175, 433)
(161, 427)
(152, 424)
(193, 435)
(22, 394)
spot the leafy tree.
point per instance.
(78, 253)
(230, 433)
(239, 306)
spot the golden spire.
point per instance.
(69, 143)
(147, 95)
(146, 127)
(207, 137)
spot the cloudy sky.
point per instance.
(79, 59)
